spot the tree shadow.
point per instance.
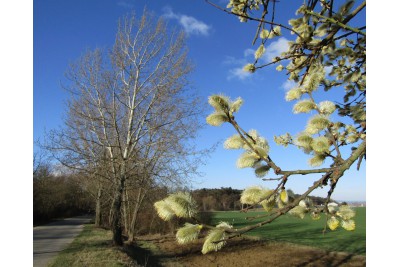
(142, 256)
(147, 257)
(329, 260)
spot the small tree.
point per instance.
(329, 51)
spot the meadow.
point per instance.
(302, 231)
(288, 241)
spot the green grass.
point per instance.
(92, 248)
(303, 231)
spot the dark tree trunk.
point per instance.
(132, 228)
(98, 221)
(116, 220)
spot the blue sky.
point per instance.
(219, 45)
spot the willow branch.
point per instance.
(280, 212)
(254, 19)
(334, 21)
(281, 184)
(242, 133)
(332, 175)
(268, 159)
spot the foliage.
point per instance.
(210, 199)
(228, 199)
(57, 196)
(327, 53)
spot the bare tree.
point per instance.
(124, 105)
(165, 162)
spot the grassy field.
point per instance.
(303, 231)
(92, 248)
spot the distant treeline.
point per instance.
(226, 198)
(63, 195)
(57, 196)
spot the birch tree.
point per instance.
(122, 104)
(327, 52)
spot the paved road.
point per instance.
(50, 239)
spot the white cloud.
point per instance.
(169, 14)
(238, 73)
(190, 24)
(288, 84)
(249, 52)
(275, 49)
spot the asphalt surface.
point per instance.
(50, 239)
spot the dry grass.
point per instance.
(93, 248)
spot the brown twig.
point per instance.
(254, 19)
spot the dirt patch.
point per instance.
(164, 251)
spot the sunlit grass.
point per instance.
(303, 231)
(92, 248)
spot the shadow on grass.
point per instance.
(248, 248)
(145, 255)
(142, 256)
(329, 260)
(147, 258)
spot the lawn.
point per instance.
(92, 248)
(303, 231)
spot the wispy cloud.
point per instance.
(249, 52)
(238, 73)
(235, 66)
(190, 24)
(272, 50)
(288, 84)
(275, 49)
(126, 4)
